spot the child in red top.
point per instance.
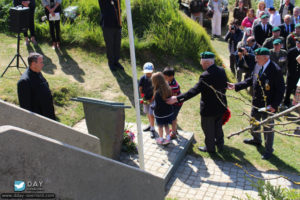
(169, 74)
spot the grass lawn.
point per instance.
(75, 71)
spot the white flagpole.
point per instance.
(135, 86)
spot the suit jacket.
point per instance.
(293, 65)
(270, 83)
(247, 62)
(260, 35)
(283, 32)
(210, 104)
(34, 94)
(233, 39)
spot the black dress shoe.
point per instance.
(252, 141)
(204, 149)
(266, 156)
(147, 128)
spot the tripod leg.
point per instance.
(9, 65)
(23, 61)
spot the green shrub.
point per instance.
(159, 27)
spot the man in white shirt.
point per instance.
(274, 17)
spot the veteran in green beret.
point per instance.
(279, 55)
(268, 43)
(268, 90)
(212, 104)
(293, 72)
(291, 39)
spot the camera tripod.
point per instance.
(17, 56)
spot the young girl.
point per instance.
(163, 112)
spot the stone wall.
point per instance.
(69, 172)
(18, 117)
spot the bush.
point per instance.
(159, 27)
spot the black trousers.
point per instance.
(212, 128)
(290, 88)
(54, 26)
(232, 63)
(112, 38)
(31, 24)
(268, 130)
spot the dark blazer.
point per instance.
(109, 17)
(248, 59)
(210, 104)
(272, 83)
(293, 65)
(19, 2)
(283, 32)
(260, 35)
(290, 10)
(34, 94)
(234, 38)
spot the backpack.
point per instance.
(196, 6)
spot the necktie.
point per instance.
(260, 71)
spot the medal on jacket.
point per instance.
(267, 86)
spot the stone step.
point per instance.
(161, 161)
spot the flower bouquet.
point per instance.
(128, 144)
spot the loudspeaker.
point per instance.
(18, 19)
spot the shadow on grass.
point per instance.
(125, 83)
(276, 161)
(68, 65)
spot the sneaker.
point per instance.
(159, 141)
(147, 128)
(173, 135)
(53, 45)
(152, 133)
(166, 142)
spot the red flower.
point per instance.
(142, 95)
(226, 116)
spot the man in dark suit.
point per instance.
(251, 43)
(263, 30)
(111, 26)
(33, 89)
(268, 90)
(287, 27)
(212, 105)
(293, 72)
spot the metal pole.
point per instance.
(135, 86)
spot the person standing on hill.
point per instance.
(212, 86)
(111, 23)
(33, 89)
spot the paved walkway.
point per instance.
(197, 177)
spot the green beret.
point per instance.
(297, 25)
(262, 51)
(264, 16)
(207, 55)
(275, 29)
(277, 41)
